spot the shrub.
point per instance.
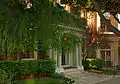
(25, 67)
(93, 63)
(46, 66)
(6, 77)
(37, 66)
(3, 77)
(109, 72)
(85, 63)
(66, 80)
(97, 63)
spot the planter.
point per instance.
(30, 76)
(3, 57)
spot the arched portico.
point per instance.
(70, 58)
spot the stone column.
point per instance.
(59, 68)
(54, 52)
(98, 52)
(79, 56)
(50, 54)
(35, 55)
(71, 60)
(35, 52)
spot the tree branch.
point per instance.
(114, 15)
(105, 21)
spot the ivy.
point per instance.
(20, 28)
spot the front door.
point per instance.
(65, 59)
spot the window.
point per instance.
(105, 53)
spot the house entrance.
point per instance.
(65, 59)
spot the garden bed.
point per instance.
(104, 71)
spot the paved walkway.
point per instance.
(83, 77)
(112, 81)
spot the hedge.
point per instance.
(3, 77)
(94, 63)
(26, 67)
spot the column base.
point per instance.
(80, 67)
(59, 70)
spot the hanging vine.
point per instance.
(21, 27)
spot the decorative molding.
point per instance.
(72, 28)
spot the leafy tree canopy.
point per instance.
(23, 22)
(100, 6)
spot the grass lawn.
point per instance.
(40, 81)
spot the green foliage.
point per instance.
(46, 66)
(78, 3)
(85, 63)
(96, 63)
(20, 28)
(70, 41)
(40, 81)
(66, 80)
(109, 72)
(103, 4)
(93, 63)
(25, 67)
(9, 68)
(3, 77)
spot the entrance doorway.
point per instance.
(65, 59)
